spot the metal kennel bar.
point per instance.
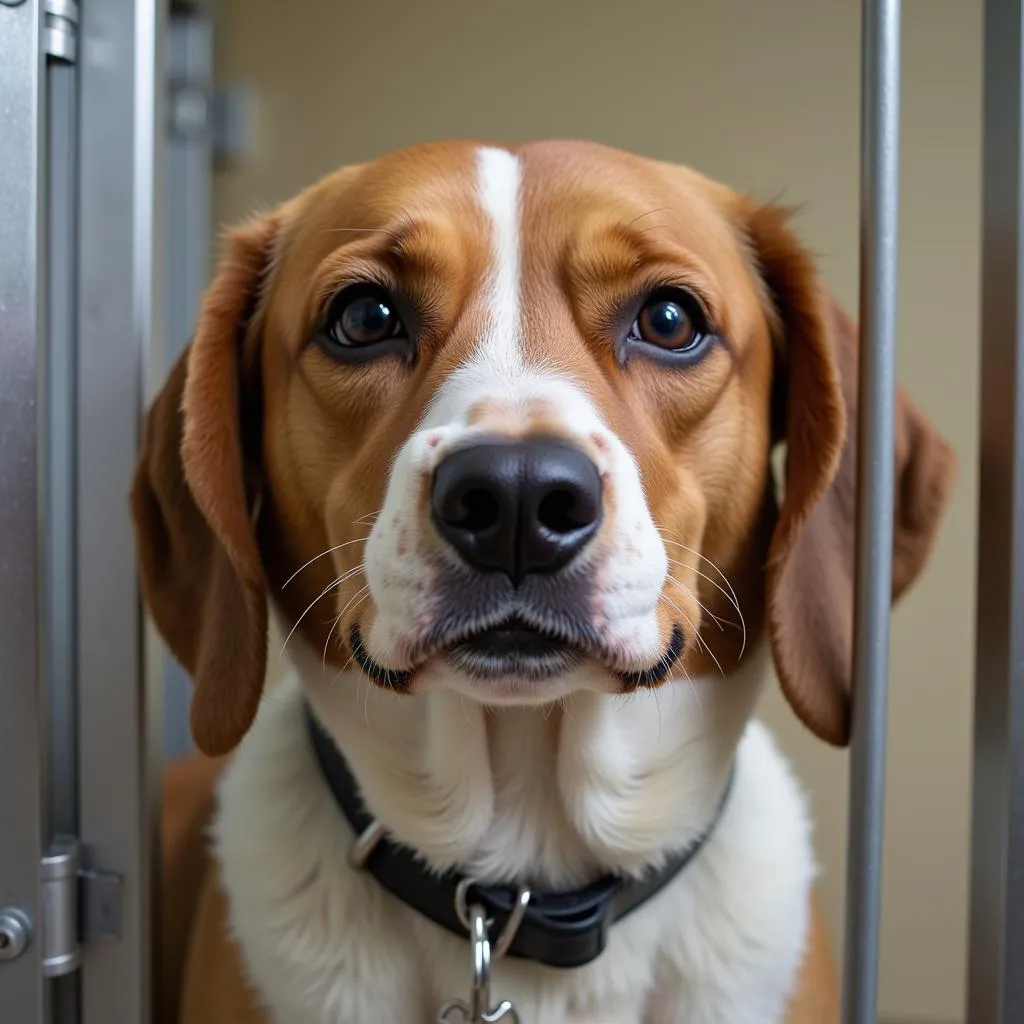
(996, 950)
(880, 127)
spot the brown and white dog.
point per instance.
(490, 429)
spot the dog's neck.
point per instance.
(555, 795)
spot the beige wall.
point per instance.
(765, 96)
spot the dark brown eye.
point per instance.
(670, 322)
(667, 324)
(670, 327)
(364, 318)
(362, 325)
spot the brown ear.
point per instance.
(195, 486)
(810, 575)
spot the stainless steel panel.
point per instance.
(23, 995)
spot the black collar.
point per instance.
(559, 929)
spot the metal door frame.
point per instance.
(79, 314)
(119, 713)
(24, 994)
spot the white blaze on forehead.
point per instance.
(496, 366)
(498, 177)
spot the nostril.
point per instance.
(562, 511)
(476, 510)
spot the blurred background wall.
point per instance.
(764, 96)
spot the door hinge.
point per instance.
(78, 905)
(61, 30)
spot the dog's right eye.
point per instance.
(363, 322)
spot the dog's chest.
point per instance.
(325, 943)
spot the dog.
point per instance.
(488, 432)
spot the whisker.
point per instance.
(693, 690)
(362, 593)
(329, 551)
(703, 557)
(365, 592)
(730, 595)
(344, 668)
(369, 515)
(718, 620)
(323, 593)
(327, 642)
(696, 633)
(657, 704)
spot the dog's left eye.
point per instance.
(363, 315)
(673, 321)
(362, 324)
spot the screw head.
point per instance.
(15, 932)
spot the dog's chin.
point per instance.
(513, 664)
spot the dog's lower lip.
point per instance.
(395, 679)
(513, 637)
(659, 672)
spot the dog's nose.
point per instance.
(517, 506)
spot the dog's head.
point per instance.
(501, 421)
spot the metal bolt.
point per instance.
(10, 3)
(15, 931)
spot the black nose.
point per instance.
(517, 506)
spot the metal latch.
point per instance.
(77, 905)
(61, 30)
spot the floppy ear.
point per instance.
(810, 572)
(195, 486)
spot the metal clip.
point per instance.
(478, 1010)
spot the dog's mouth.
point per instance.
(514, 649)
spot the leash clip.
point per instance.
(473, 916)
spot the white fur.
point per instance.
(632, 561)
(498, 172)
(580, 783)
(555, 796)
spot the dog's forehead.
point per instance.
(560, 193)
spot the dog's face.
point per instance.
(501, 421)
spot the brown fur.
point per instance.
(254, 415)
(261, 453)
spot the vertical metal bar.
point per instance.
(23, 993)
(996, 952)
(880, 100)
(120, 128)
(58, 615)
(62, 251)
